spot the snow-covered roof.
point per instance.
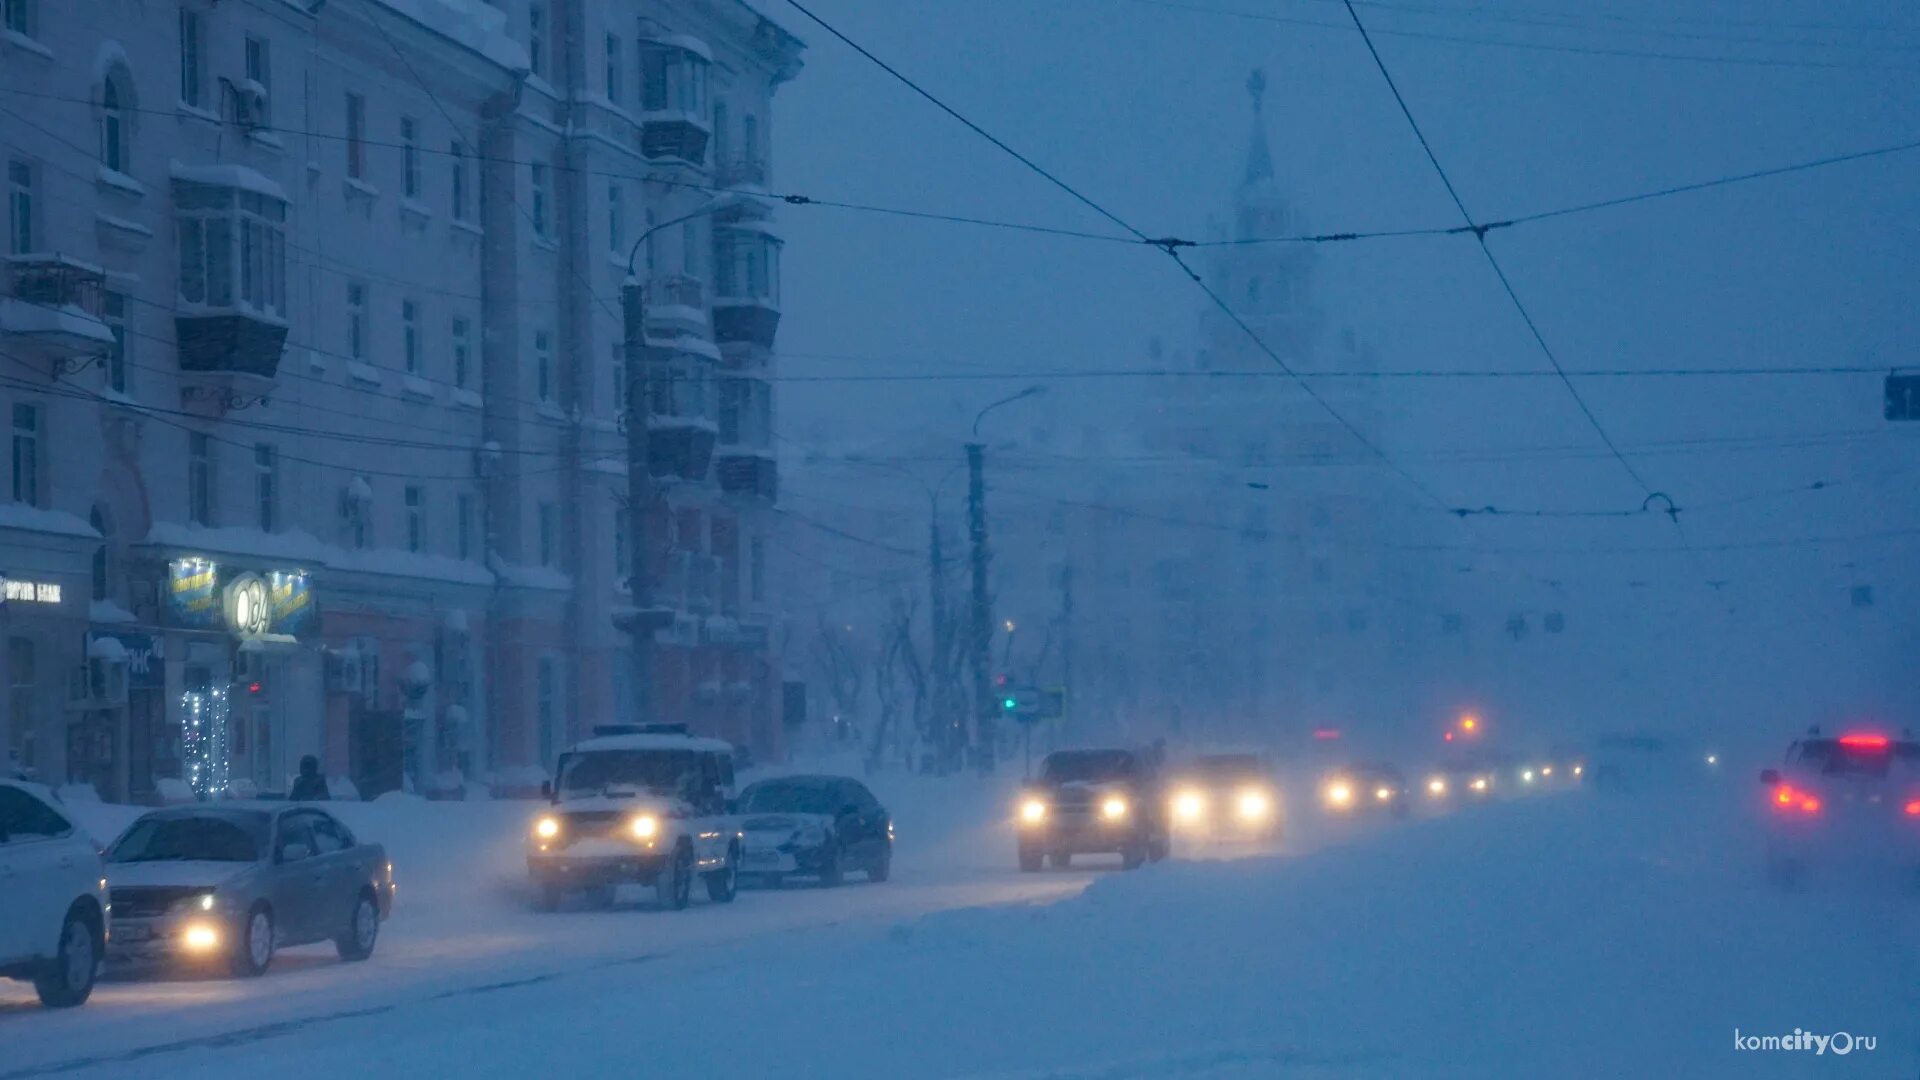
(229, 176)
(653, 742)
(15, 515)
(474, 24)
(684, 42)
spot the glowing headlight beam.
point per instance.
(1383, 793)
(547, 828)
(1255, 804)
(1339, 794)
(1436, 786)
(1114, 808)
(201, 938)
(1189, 805)
(645, 827)
(1033, 811)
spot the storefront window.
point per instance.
(24, 729)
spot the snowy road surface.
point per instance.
(1572, 935)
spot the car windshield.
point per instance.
(1228, 767)
(1080, 765)
(617, 772)
(798, 797)
(209, 838)
(1831, 757)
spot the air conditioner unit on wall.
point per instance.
(249, 104)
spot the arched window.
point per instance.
(116, 121)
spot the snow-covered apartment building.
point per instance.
(309, 348)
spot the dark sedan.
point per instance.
(813, 826)
(234, 882)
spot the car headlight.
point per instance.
(1114, 808)
(197, 904)
(644, 827)
(1479, 783)
(547, 827)
(1339, 793)
(1033, 811)
(1255, 805)
(200, 937)
(1437, 786)
(1383, 793)
(1526, 776)
(1189, 805)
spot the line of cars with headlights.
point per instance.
(1229, 796)
(653, 807)
(1096, 801)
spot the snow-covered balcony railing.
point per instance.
(746, 301)
(748, 473)
(673, 98)
(741, 171)
(230, 318)
(677, 304)
(680, 447)
(55, 302)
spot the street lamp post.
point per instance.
(981, 640)
(637, 359)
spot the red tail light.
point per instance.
(1864, 742)
(1788, 797)
(1913, 808)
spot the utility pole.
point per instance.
(1066, 649)
(937, 608)
(980, 640)
(635, 358)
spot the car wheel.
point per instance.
(882, 867)
(724, 884)
(674, 888)
(254, 950)
(546, 897)
(1030, 859)
(831, 872)
(363, 930)
(1061, 860)
(68, 979)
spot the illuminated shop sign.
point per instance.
(205, 595)
(30, 592)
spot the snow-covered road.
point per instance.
(1569, 935)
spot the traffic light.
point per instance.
(1009, 703)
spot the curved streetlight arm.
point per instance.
(1030, 391)
(713, 207)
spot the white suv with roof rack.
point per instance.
(642, 805)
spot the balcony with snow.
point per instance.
(748, 474)
(746, 301)
(53, 306)
(674, 122)
(681, 431)
(230, 316)
(676, 304)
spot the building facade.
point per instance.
(307, 333)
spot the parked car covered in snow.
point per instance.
(53, 899)
(814, 826)
(637, 806)
(1090, 802)
(235, 882)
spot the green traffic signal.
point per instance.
(1009, 704)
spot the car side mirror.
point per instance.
(546, 789)
(295, 852)
(1769, 777)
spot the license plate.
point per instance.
(131, 934)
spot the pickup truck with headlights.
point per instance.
(643, 807)
(1087, 802)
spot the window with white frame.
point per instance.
(690, 249)
(549, 533)
(356, 137)
(537, 36)
(193, 84)
(22, 16)
(750, 138)
(26, 454)
(680, 387)
(457, 158)
(543, 365)
(22, 211)
(463, 525)
(746, 265)
(266, 486)
(722, 135)
(616, 219)
(259, 68)
(200, 478)
(116, 120)
(540, 190)
(462, 351)
(357, 342)
(757, 570)
(410, 335)
(746, 411)
(113, 309)
(416, 500)
(614, 91)
(672, 79)
(233, 248)
(409, 157)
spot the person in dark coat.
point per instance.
(309, 786)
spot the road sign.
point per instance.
(1903, 396)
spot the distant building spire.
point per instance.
(1259, 158)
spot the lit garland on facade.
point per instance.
(203, 740)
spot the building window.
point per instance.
(690, 249)
(116, 121)
(409, 157)
(20, 206)
(356, 137)
(113, 307)
(416, 519)
(542, 366)
(750, 138)
(21, 17)
(200, 478)
(458, 158)
(680, 388)
(192, 83)
(540, 189)
(260, 74)
(616, 220)
(102, 556)
(463, 525)
(462, 352)
(745, 411)
(722, 137)
(622, 552)
(537, 37)
(26, 454)
(231, 236)
(549, 533)
(356, 320)
(613, 69)
(547, 707)
(757, 570)
(410, 335)
(746, 266)
(266, 486)
(673, 78)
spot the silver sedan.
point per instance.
(234, 882)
